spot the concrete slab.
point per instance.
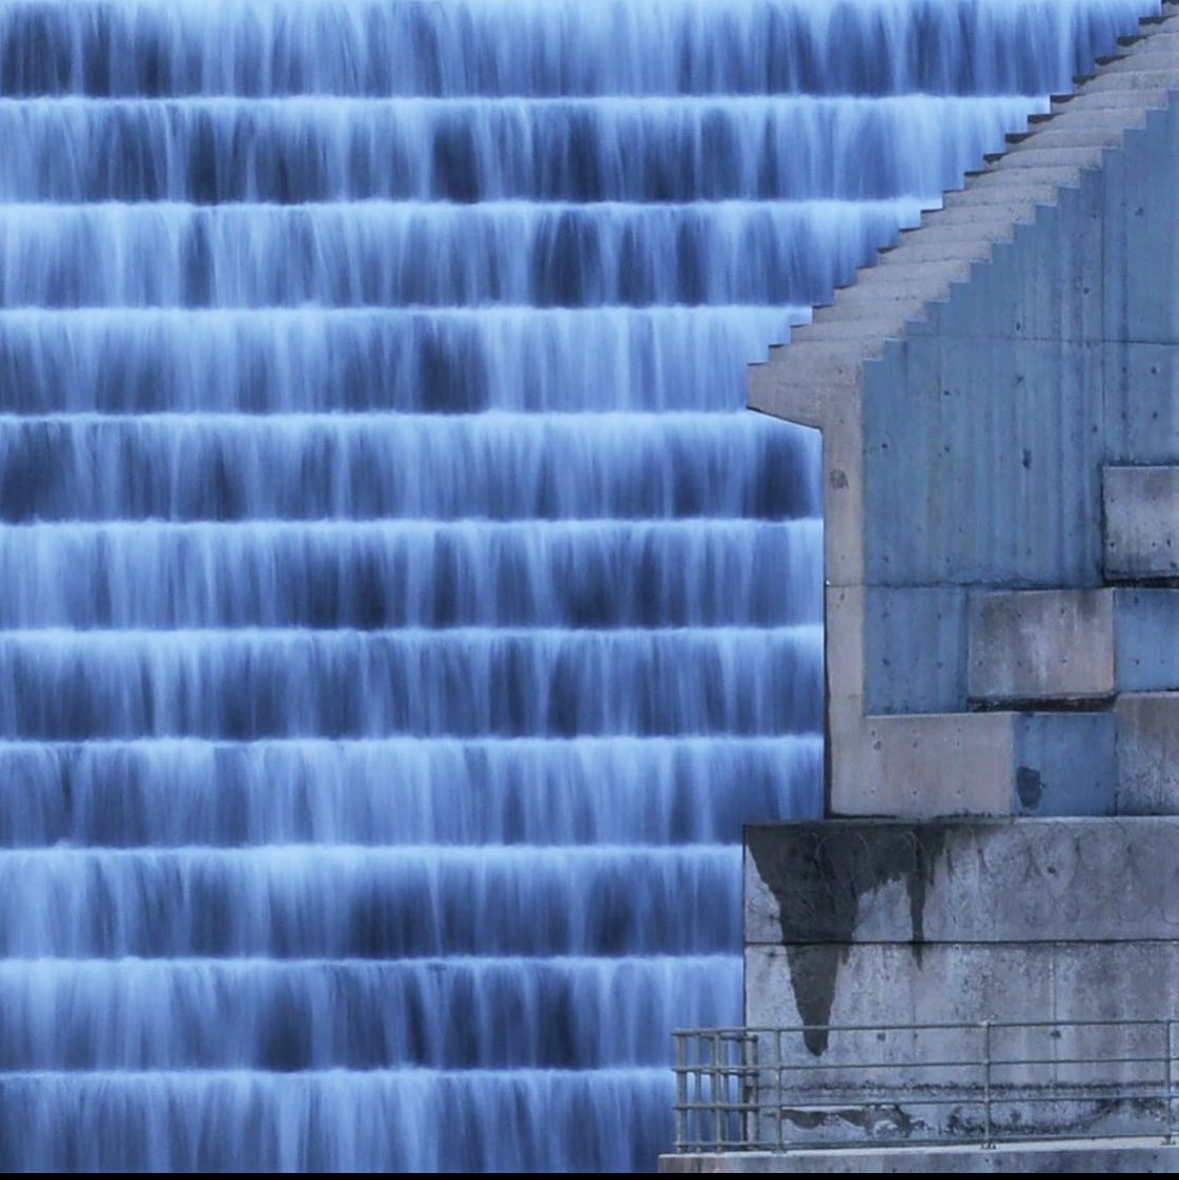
(799, 379)
(1148, 754)
(1033, 155)
(955, 244)
(1141, 257)
(1141, 382)
(1154, 53)
(920, 766)
(978, 465)
(1014, 180)
(1108, 100)
(1141, 523)
(906, 305)
(1133, 80)
(1041, 645)
(883, 328)
(1076, 130)
(908, 275)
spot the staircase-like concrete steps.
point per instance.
(1103, 100)
(892, 294)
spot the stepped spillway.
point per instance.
(402, 613)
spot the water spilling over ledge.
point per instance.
(402, 613)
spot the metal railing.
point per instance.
(985, 1083)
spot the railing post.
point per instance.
(749, 1091)
(681, 1091)
(986, 1027)
(1170, 1062)
(714, 1060)
(779, 1097)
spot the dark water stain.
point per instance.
(819, 874)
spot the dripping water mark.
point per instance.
(819, 875)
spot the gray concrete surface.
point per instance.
(881, 983)
(1141, 507)
(1151, 1157)
(1148, 763)
(884, 945)
(968, 881)
(1147, 627)
(1040, 645)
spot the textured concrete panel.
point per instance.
(1061, 288)
(1065, 764)
(915, 656)
(982, 456)
(1141, 523)
(1039, 880)
(879, 1015)
(1141, 384)
(1098, 1158)
(1041, 645)
(1147, 625)
(1148, 754)
(920, 765)
(1141, 246)
(960, 983)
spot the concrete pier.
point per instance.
(999, 404)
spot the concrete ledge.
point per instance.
(1041, 645)
(1141, 523)
(1147, 1157)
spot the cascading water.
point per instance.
(401, 614)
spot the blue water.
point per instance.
(401, 612)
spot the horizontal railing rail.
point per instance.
(984, 1083)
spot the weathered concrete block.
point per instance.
(1148, 754)
(1141, 523)
(1041, 645)
(1147, 627)
(797, 380)
(976, 881)
(920, 765)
